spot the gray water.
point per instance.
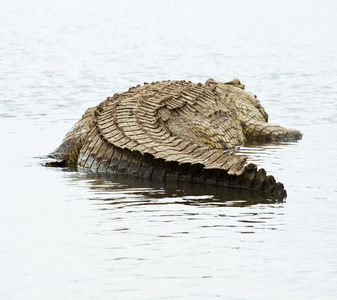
(72, 235)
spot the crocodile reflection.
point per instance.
(116, 189)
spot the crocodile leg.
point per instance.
(68, 152)
(255, 130)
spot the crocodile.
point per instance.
(176, 130)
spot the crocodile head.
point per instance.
(247, 105)
(249, 113)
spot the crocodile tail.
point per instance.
(100, 156)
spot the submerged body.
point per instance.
(176, 130)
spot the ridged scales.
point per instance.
(174, 130)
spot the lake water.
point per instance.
(72, 235)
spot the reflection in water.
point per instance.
(128, 190)
(157, 210)
(268, 144)
(256, 151)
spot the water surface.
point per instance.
(73, 235)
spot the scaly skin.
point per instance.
(175, 130)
